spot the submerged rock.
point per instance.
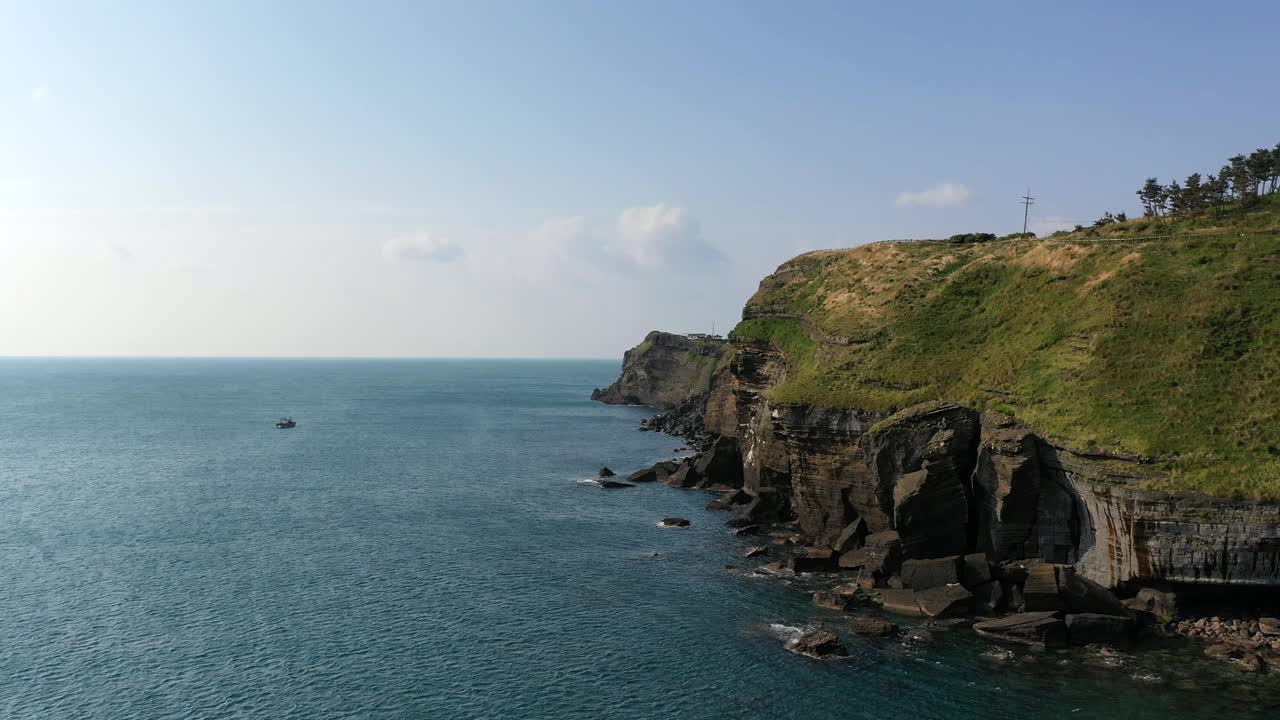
(674, 522)
(614, 485)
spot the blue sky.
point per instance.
(551, 178)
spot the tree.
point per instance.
(1171, 197)
(1258, 165)
(1214, 190)
(1241, 181)
(1193, 193)
(1150, 195)
(1121, 217)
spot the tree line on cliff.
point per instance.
(1244, 179)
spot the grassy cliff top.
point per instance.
(1167, 348)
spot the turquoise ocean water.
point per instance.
(423, 545)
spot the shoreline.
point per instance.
(1132, 627)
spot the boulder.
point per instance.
(931, 573)
(747, 530)
(852, 537)
(988, 598)
(1089, 628)
(1082, 595)
(1161, 603)
(606, 472)
(881, 555)
(872, 627)
(945, 601)
(645, 475)
(1269, 626)
(1040, 591)
(902, 602)
(756, 551)
(1251, 662)
(975, 570)
(775, 568)
(814, 559)
(684, 477)
(1044, 628)
(850, 591)
(830, 600)
(819, 644)
(740, 523)
(674, 522)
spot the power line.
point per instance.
(1027, 202)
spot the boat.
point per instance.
(286, 423)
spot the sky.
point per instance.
(555, 179)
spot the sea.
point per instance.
(428, 543)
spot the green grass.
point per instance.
(1168, 349)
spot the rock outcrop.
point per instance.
(664, 370)
(950, 480)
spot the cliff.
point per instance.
(1105, 405)
(664, 370)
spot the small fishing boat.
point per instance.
(286, 423)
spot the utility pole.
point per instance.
(1027, 202)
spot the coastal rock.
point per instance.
(664, 370)
(931, 573)
(830, 600)
(975, 570)
(755, 551)
(945, 601)
(730, 500)
(1040, 589)
(657, 472)
(852, 537)
(819, 644)
(1162, 604)
(1090, 628)
(684, 477)
(1082, 595)
(720, 464)
(614, 485)
(606, 472)
(902, 602)
(814, 559)
(1045, 628)
(674, 522)
(872, 627)
(988, 598)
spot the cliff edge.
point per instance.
(1108, 405)
(664, 370)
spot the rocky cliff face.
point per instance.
(664, 371)
(951, 480)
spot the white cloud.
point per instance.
(41, 94)
(655, 237)
(660, 235)
(946, 194)
(422, 247)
